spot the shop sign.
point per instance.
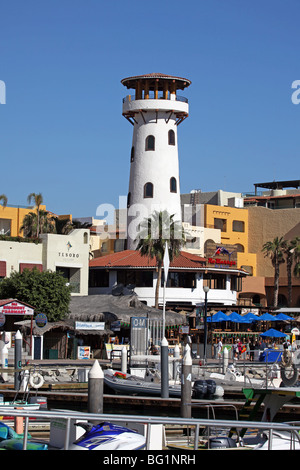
(41, 320)
(116, 325)
(68, 254)
(221, 261)
(139, 322)
(16, 308)
(184, 330)
(81, 325)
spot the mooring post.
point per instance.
(124, 360)
(225, 360)
(186, 383)
(164, 368)
(95, 389)
(18, 360)
(176, 356)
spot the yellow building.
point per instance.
(233, 224)
(11, 219)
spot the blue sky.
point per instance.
(62, 132)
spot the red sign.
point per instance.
(15, 308)
(221, 261)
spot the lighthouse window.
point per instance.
(150, 142)
(171, 135)
(148, 190)
(173, 185)
(132, 154)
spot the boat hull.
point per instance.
(130, 385)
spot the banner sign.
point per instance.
(85, 325)
(16, 308)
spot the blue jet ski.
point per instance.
(10, 440)
(108, 436)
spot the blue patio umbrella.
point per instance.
(236, 318)
(250, 316)
(266, 317)
(273, 333)
(283, 316)
(218, 317)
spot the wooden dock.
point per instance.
(74, 396)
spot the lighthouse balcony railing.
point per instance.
(159, 97)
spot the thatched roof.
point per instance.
(110, 308)
(106, 308)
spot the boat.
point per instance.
(133, 385)
(281, 440)
(13, 405)
(233, 377)
(33, 404)
(108, 436)
(10, 440)
(128, 384)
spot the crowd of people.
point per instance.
(251, 349)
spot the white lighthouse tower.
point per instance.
(155, 111)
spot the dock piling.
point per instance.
(95, 389)
(186, 383)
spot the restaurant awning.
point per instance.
(266, 317)
(272, 333)
(236, 318)
(217, 317)
(283, 317)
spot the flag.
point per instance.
(166, 262)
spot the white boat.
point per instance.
(13, 405)
(281, 440)
(133, 385)
(233, 377)
(33, 404)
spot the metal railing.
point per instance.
(183, 99)
(68, 416)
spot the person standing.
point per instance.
(219, 348)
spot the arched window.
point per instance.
(173, 185)
(239, 248)
(132, 154)
(150, 142)
(171, 136)
(128, 199)
(148, 190)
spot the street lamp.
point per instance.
(206, 289)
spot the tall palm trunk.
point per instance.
(276, 285)
(289, 264)
(274, 250)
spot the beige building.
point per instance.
(68, 254)
(265, 224)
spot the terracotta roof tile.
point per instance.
(133, 258)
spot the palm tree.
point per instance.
(156, 230)
(3, 198)
(31, 220)
(63, 226)
(274, 250)
(296, 271)
(38, 200)
(291, 248)
(29, 225)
